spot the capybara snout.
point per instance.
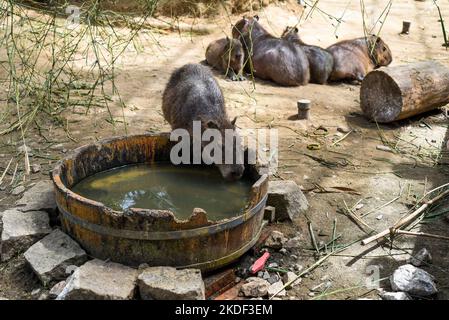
(382, 56)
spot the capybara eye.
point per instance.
(384, 49)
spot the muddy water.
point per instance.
(164, 186)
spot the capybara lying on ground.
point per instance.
(226, 55)
(321, 61)
(269, 57)
(353, 59)
(193, 94)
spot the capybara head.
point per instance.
(234, 55)
(381, 54)
(242, 27)
(291, 34)
(225, 140)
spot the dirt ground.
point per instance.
(373, 177)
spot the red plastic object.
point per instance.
(260, 263)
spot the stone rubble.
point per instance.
(100, 280)
(20, 230)
(275, 240)
(255, 287)
(50, 257)
(168, 283)
(56, 290)
(287, 198)
(422, 257)
(413, 281)
(275, 287)
(293, 243)
(18, 190)
(40, 197)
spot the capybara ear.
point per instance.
(234, 121)
(256, 17)
(296, 29)
(211, 124)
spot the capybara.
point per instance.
(269, 57)
(354, 59)
(193, 94)
(226, 55)
(321, 61)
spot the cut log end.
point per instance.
(396, 93)
(381, 98)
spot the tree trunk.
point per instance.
(396, 93)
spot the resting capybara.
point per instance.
(269, 57)
(353, 59)
(321, 61)
(193, 94)
(226, 55)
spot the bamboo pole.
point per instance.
(406, 220)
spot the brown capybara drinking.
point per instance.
(193, 94)
(271, 58)
(354, 59)
(226, 55)
(321, 61)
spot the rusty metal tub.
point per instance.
(154, 237)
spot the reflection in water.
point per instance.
(164, 186)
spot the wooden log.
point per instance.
(395, 93)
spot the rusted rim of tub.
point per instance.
(197, 224)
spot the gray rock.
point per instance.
(35, 168)
(17, 190)
(275, 287)
(287, 198)
(283, 251)
(21, 230)
(293, 243)
(395, 296)
(167, 283)
(50, 257)
(412, 280)
(263, 274)
(273, 278)
(275, 240)
(273, 265)
(255, 287)
(422, 257)
(99, 280)
(56, 290)
(35, 292)
(344, 129)
(40, 197)
(3, 298)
